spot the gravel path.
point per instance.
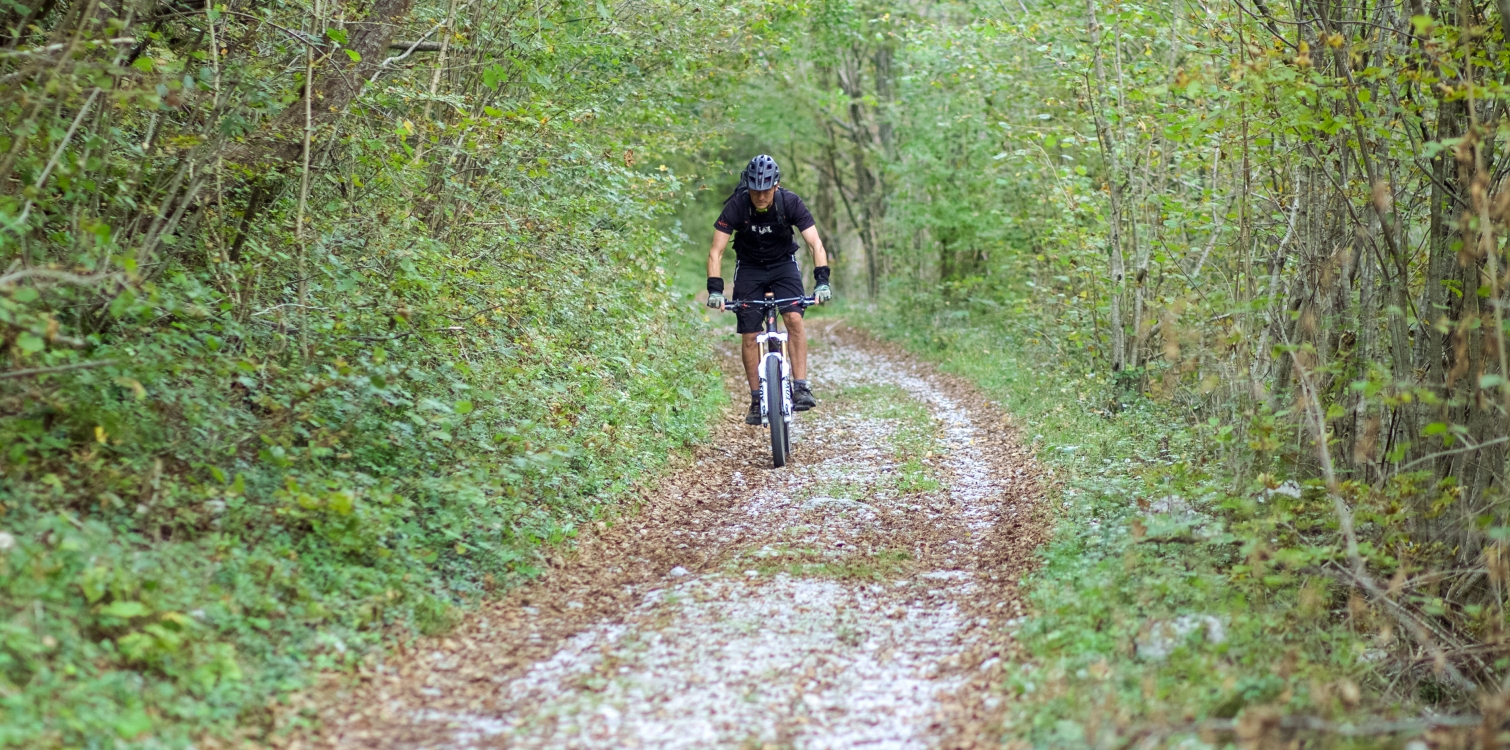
(855, 598)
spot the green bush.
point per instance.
(1152, 530)
(196, 529)
(263, 408)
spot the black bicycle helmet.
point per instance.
(762, 173)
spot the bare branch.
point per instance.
(59, 276)
(1464, 449)
(1359, 571)
(60, 368)
(117, 41)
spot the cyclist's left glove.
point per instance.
(715, 293)
(822, 293)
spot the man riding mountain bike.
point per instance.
(760, 216)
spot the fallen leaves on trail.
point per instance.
(744, 599)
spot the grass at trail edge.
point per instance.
(175, 563)
(1148, 613)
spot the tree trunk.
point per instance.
(339, 80)
(1114, 174)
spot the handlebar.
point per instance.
(735, 304)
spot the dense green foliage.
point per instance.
(1149, 545)
(318, 318)
(1279, 228)
(282, 381)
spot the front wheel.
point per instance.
(774, 416)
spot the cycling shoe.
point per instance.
(802, 398)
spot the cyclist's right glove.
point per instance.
(715, 292)
(822, 293)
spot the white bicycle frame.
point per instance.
(786, 379)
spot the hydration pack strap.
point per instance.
(779, 199)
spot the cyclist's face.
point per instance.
(762, 198)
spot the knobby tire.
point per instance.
(774, 416)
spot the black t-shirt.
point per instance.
(759, 238)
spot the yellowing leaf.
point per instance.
(134, 385)
(93, 583)
(180, 619)
(124, 610)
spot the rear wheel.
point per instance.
(774, 417)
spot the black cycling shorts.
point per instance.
(752, 282)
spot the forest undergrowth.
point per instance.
(319, 321)
(1243, 265)
(1146, 625)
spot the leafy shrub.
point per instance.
(266, 407)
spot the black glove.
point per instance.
(715, 293)
(820, 274)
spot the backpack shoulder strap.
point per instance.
(781, 206)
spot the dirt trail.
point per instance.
(856, 597)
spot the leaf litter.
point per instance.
(742, 606)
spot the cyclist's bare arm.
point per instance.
(809, 235)
(716, 255)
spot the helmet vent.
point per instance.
(762, 173)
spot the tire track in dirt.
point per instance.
(856, 597)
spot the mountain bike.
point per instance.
(775, 372)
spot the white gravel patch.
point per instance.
(721, 660)
(811, 662)
(973, 492)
